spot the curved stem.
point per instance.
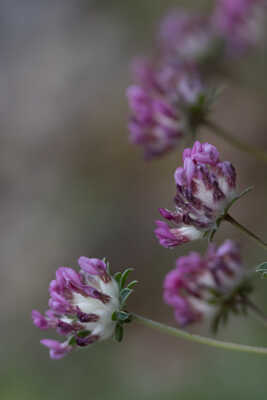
(257, 312)
(259, 154)
(197, 338)
(242, 228)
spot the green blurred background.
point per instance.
(72, 185)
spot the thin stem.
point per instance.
(242, 228)
(257, 312)
(197, 338)
(259, 154)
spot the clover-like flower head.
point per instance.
(240, 23)
(185, 35)
(193, 287)
(83, 307)
(161, 104)
(206, 186)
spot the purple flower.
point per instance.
(155, 124)
(188, 36)
(205, 188)
(81, 305)
(190, 286)
(57, 350)
(160, 104)
(239, 22)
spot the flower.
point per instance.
(81, 306)
(155, 124)
(190, 288)
(186, 35)
(239, 22)
(205, 186)
(161, 104)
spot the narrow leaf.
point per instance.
(125, 293)
(72, 341)
(124, 276)
(119, 333)
(262, 269)
(117, 277)
(114, 316)
(132, 284)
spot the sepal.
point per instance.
(121, 316)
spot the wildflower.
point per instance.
(239, 22)
(188, 36)
(82, 306)
(161, 105)
(201, 287)
(206, 187)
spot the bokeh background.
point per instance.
(72, 185)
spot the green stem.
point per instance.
(197, 338)
(259, 154)
(243, 229)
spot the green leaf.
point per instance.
(124, 276)
(262, 269)
(72, 341)
(117, 277)
(83, 334)
(123, 316)
(125, 293)
(132, 284)
(114, 316)
(119, 333)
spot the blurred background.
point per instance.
(72, 185)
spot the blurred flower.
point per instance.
(81, 306)
(205, 188)
(239, 22)
(168, 100)
(198, 286)
(161, 104)
(185, 35)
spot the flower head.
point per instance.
(205, 188)
(161, 104)
(186, 35)
(239, 22)
(191, 287)
(81, 306)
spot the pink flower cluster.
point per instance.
(205, 186)
(169, 89)
(81, 305)
(158, 104)
(191, 285)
